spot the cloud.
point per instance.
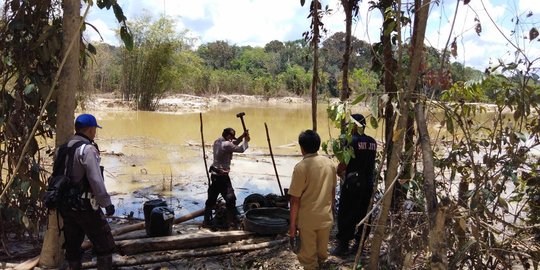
(257, 22)
(497, 21)
(108, 34)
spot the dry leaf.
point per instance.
(453, 48)
(533, 33)
(478, 26)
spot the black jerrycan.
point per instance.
(147, 209)
(161, 221)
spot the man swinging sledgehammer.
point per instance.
(223, 149)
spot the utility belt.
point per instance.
(354, 180)
(218, 171)
(78, 201)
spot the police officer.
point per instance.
(357, 187)
(223, 149)
(86, 217)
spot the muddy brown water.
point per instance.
(150, 155)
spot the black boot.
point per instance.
(104, 262)
(341, 249)
(207, 218)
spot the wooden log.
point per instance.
(29, 264)
(139, 226)
(177, 255)
(183, 241)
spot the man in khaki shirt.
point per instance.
(312, 191)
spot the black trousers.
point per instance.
(221, 184)
(352, 207)
(92, 223)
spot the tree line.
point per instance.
(166, 61)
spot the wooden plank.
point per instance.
(183, 241)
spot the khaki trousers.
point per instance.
(313, 247)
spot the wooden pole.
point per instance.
(273, 161)
(204, 152)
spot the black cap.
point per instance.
(359, 119)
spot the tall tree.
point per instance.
(419, 30)
(51, 253)
(148, 69)
(314, 37)
(218, 54)
(350, 7)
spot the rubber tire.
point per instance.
(267, 220)
(253, 201)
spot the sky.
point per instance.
(257, 22)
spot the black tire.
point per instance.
(254, 201)
(267, 221)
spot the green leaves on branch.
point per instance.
(125, 33)
(126, 37)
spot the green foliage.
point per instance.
(296, 79)
(487, 156)
(333, 49)
(149, 69)
(364, 81)
(339, 115)
(218, 54)
(30, 41)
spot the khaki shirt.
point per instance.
(86, 162)
(223, 152)
(313, 181)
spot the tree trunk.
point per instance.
(436, 214)
(347, 7)
(315, 79)
(419, 31)
(69, 79)
(51, 252)
(183, 241)
(51, 255)
(389, 80)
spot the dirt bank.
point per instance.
(182, 103)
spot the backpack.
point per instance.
(59, 188)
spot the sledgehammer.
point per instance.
(241, 116)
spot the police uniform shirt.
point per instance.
(223, 152)
(87, 162)
(365, 151)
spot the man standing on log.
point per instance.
(223, 148)
(356, 188)
(87, 193)
(312, 191)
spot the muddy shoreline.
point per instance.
(183, 103)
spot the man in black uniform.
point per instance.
(223, 149)
(357, 186)
(83, 215)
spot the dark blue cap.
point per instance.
(86, 120)
(359, 119)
